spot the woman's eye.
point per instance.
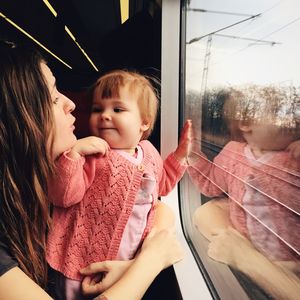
(55, 101)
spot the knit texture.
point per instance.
(272, 190)
(93, 198)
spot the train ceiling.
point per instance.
(81, 38)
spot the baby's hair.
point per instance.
(261, 105)
(108, 86)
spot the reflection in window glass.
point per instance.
(242, 92)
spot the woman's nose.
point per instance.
(69, 105)
(72, 106)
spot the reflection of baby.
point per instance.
(261, 178)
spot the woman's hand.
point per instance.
(102, 275)
(228, 246)
(160, 250)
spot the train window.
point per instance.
(240, 201)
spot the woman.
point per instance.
(36, 126)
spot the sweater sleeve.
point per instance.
(73, 179)
(172, 172)
(210, 177)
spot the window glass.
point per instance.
(241, 197)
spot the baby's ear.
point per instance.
(244, 126)
(145, 126)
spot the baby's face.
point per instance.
(118, 121)
(271, 137)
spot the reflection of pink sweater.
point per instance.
(264, 190)
(93, 200)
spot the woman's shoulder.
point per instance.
(7, 261)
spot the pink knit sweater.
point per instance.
(264, 195)
(93, 198)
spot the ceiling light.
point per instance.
(32, 38)
(124, 7)
(53, 11)
(50, 8)
(81, 49)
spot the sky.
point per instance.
(235, 60)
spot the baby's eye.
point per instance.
(96, 109)
(118, 109)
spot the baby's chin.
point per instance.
(276, 147)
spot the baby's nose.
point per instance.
(105, 116)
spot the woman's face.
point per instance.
(63, 137)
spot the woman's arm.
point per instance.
(205, 223)
(230, 247)
(164, 217)
(112, 271)
(16, 285)
(159, 250)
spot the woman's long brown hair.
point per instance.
(26, 123)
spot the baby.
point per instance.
(256, 172)
(106, 189)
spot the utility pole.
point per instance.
(206, 64)
(208, 53)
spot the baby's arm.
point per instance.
(211, 177)
(74, 173)
(175, 165)
(294, 149)
(87, 146)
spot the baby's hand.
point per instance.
(87, 146)
(294, 149)
(185, 142)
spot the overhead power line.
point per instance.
(221, 29)
(217, 12)
(272, 43)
